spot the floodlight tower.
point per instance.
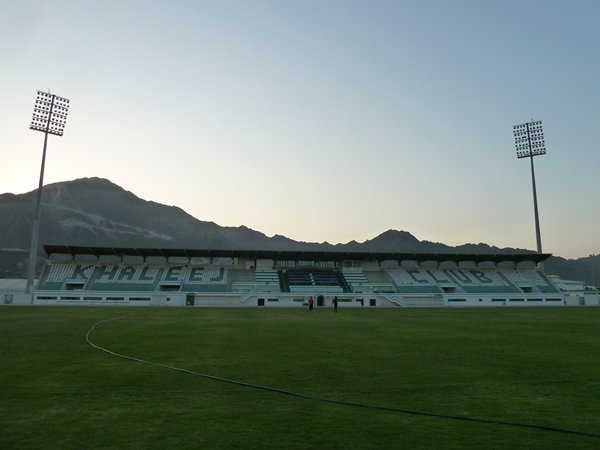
(529, 141)
(49, 117)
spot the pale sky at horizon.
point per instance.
(318, 120)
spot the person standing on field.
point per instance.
(311, 303)
(335, 303)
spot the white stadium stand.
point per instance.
(277, 278)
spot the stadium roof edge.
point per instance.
(289, 255)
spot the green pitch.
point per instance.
(537, 366)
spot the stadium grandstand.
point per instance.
(246, 278)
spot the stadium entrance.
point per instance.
(190, 299)
(320, 301)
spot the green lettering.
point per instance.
(436, 279)
(411, 273)
(126, 273)
(173, 273)
(460, 276)
(144, 275)
(107, 271)
(220, 276)
(196, 273)
(480, 276)
(79, 272)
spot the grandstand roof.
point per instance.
(288, 255)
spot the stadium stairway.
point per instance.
(92, 279)
(342, 281)
(397, 299)
(44, 277)
(283, 284)
(158, 277)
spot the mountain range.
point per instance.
(97, 212)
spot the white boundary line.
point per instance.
(339, 402)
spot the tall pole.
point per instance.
(36, 223)
(529, 141)
(538, 234)
(49, 117)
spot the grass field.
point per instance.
(536, 366)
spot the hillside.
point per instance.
(97, 212)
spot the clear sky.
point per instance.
(319, 120)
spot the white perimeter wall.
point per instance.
(294, 300)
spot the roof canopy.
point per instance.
(285, 255)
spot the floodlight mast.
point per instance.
(529, 142)
(49, 117)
